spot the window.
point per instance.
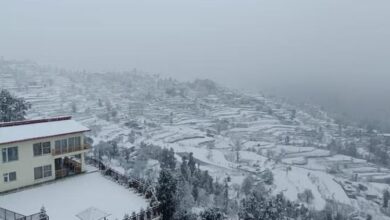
(4, 153)
(41, 148)
(58, 146)
(46, 148)
(10, 154)
(37, 148)
(71, 144)
(61, 146)
(38, 173)
(47, 171)
(64, 145)
(42, 172)
(77, 142)
(9, 177)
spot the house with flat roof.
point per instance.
(36, 151)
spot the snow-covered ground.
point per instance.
(64, 199)
(209, 126)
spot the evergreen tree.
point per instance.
(142, 214)
(247, 185)
(114, 149)
(306, 196)
(206, 182)
(386, 197)
(226, 196)
(192, 163)
(184, 169)
(212, 214)
(195, 192)
(257, 207)
(252, 207)
(167, 159)
(133, 216)
(184, 200)
(166, 190)
(11, 107)
(268, 177)
(42, 213)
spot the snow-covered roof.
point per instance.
(92, 214)
(35, 129)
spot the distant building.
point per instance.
(36, 151)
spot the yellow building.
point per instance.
(36, 151)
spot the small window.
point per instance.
(47, 171)
(10, 154)
(37, 149)
(71, 144)
(38, 173)
(41, 148)
(42, 172)
(12, 176)
(4, 153)
(77, 142)
(13, 154)
(58, 146)
(9, 177)
(64, 145)
(46, 148)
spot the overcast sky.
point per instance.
(332, 46)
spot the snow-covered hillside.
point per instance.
(229, 133)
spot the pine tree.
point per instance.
(133, 216)
(386, 197)
(247, 185)
(212, 214)
(192, 163)
(11, 107)
(195, 192)
(184, 169)
(42, 213)
(167, 159)
(306, 196)
(184, 200)
(166, 191)
(268, 177)
(142, 214)
(226, 196)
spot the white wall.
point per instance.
(24, 166)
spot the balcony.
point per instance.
(67, 150)
(67, 172)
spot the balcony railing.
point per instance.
(76, 169)
(10, 215)
(67, 150)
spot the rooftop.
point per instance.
(11, 132)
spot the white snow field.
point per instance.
(230, 134)
(64, 199)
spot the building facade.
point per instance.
(36, 151)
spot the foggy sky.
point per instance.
(337, 49)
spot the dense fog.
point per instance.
(195, 110)
(334, 53)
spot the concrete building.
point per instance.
(36, 151)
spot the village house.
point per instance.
(37, 151)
